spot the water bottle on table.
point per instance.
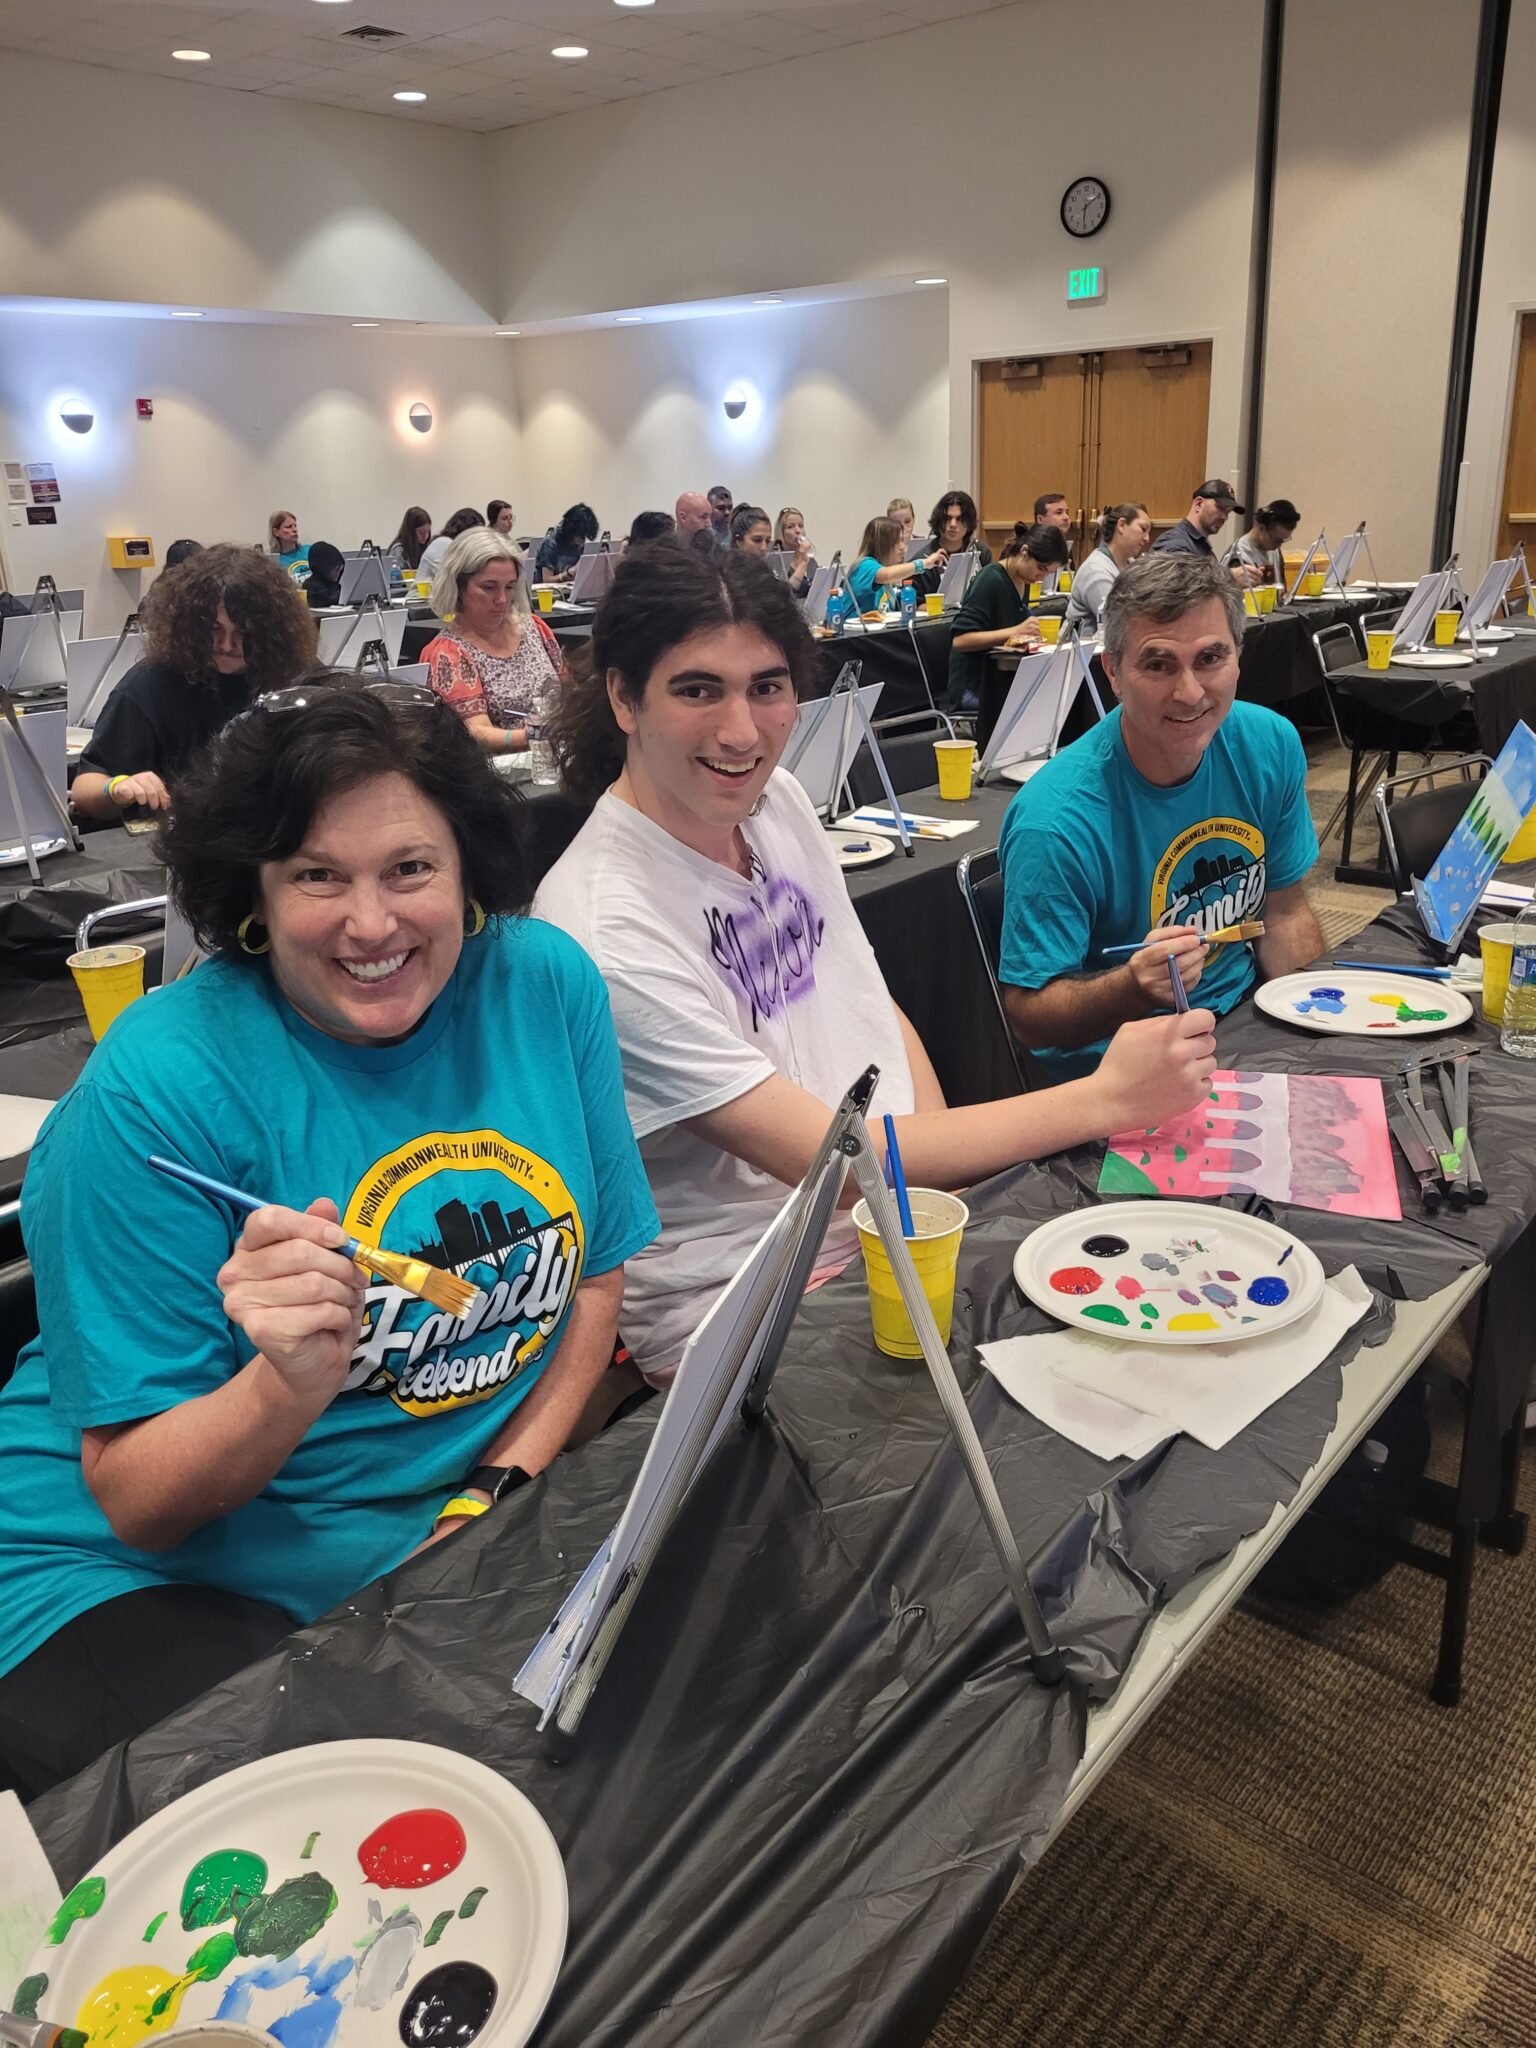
(908, 603)
(1519, 1033)
(541, 755)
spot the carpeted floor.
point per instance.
(1300, 1848)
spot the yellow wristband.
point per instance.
(461, 1504)
(114, 781)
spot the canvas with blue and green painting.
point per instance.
(1451, 891)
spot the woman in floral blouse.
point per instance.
(497, 664)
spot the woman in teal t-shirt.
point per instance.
(224, 1426)
(880, 569)
(283, 541)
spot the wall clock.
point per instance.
(1085, 207)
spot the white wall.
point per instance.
(1372, 160)
(1509, 288)
(247, 418)
(117, 186)
(848, 407)
(662, 199)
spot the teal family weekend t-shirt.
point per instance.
(494, 1140)
(1094, 855)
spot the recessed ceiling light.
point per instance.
(634, 3)
(185, 313)
(410, 97)
(504, 331)
(628, 320)
(930, 280)
(192, 56)
(365, 323)
(569, 51)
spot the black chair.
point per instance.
(18, 1313)
(1373, 736)
(981, 884)
(1415, 827)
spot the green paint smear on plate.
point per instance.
(467, 1910)
(154, 1927)
(212, 1957)
(308, 1849)
(28, 1992)
(1106, 1312)
(283, 1922)
(80, 1904)
(435, 1930)
(221, 1887)
(1117, 1176)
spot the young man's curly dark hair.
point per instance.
(260, 599)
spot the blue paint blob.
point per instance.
(312, 2024)
(1268, 1293)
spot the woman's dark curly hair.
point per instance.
(662, 594)
(253, 795)
(261, 598)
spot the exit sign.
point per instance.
(1085, 284)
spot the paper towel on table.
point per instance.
(1214, 1390)
(1105, 1428)
(29, 1893)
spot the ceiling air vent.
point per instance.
(367, 33)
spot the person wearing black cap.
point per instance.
(1213, 504)
(1260, 547)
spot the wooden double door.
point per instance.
(1104, 426)
(1517, 513)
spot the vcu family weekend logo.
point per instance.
(476, 1204)
(1211, 876)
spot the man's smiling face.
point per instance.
(1175, 683)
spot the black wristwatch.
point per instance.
(497, 1480)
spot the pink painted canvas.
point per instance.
(1317, 1140)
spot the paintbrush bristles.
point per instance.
(455, 1297)
(1230, 934)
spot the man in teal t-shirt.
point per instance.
(1182, 813)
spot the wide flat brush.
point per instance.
(444, 1290)
(17, 2032)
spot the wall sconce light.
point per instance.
(420, 417)
(77, 416)
(735, 405)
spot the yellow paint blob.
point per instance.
(128, 2006)
(1192, 1322)
(1390, 1001)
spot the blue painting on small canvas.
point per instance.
(1451, 891)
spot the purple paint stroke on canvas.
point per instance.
(766, 954)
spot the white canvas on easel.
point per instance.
(1028, 728)
(1477, 618)
(94, 668)
(594, 577)
(958, 571)
(16, 634)
(827, 734)
(1342, 561)
(1416, 621)
(347, 633)
(820, 590)
(1318, 547)
(45, 662)
(364, 575)
(33, 778)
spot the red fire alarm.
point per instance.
(146, 408)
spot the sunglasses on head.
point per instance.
(299, 696)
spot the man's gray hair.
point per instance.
(1164, 586)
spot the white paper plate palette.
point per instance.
(1433, 657)
(860, 849)
(1353, 1002)
(1176, 1273)
(348, 1895)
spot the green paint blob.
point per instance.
(308, 1849)
(1146, 1159)
(1106, 1312)
(154, 1927)
(436, 1929)
(1117, 1176)
(220, 1887)
(1149, 1311)
(212, 1957)
(467, 1910)
(80, 1904)
(1180, 1153)
(28, 1992)
(281, 1923)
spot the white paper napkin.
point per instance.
(1106, 1428)
(29, 1893)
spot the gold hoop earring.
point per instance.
(474, 920)
(243, 928)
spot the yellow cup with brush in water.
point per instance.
(444, 1290)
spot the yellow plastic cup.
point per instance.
(1251, 603)
(1036, 592)
(933, 603)
(1312, 583)
(109, 978)
(546, 599)
(1050, 631)
(1063, 582)
(957, 764)
(1378, 647)
(1266, 597)
(1445, 628)
(424, 588)
(938, 1222)
(1498, 946)
(1523, 845)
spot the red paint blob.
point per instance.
(1076, 1280)
(412, 1849)
(1129, 1289)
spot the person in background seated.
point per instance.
(954, 523)
(495, 662)
(1211, 507)
(433, 555)
(1261, 547)
(789, 535)
(995, 610)
(181, 551)
(410, 543)
(218, 631)
(227, 1433)
(1125, 534)
(720, 507)
(1051, 509)
(649, 526)
(900, 509)
(692, 514)
(283, 541)
(326, 567)
(751, 529)
(500, 517)
(560, 551)
(879, 566)
(746, 996)
(1179, 814)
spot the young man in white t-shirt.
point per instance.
(744, 992)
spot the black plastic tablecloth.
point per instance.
(1501, 691)
(902, 660)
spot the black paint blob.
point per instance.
(1105, 1247)
(448, 2007)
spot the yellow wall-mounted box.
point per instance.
(130, 551)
